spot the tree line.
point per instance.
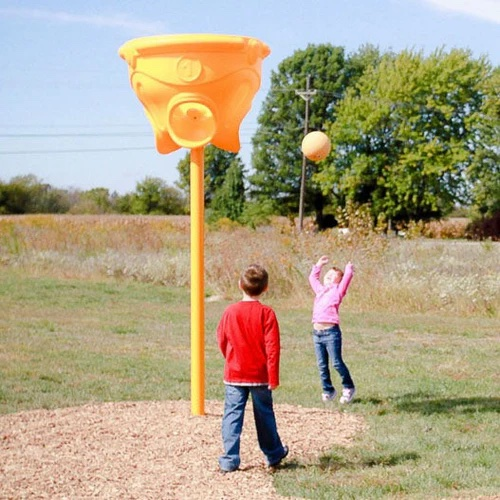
(413, 137)
(29, 195)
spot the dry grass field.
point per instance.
(403, 275)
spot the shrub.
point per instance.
(486, 227)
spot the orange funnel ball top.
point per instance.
(195, 89)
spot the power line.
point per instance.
(113, 134)
(96, 150)
(63, 151)
(88, 136)
(67, 125)
(93, 127)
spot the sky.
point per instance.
(69, 116)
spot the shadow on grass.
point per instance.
(369, 401)
(336, 462)
(427, 405)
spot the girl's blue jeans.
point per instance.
(265, 423)
(328, 346)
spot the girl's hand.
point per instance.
(322, 261)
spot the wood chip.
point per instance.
(151, 450)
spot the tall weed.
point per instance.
(416, 275)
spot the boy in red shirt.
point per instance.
(249, 338)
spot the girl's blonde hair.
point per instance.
(338, 271)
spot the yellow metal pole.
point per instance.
(197, 283)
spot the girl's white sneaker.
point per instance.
(347, 395)
(328, 396)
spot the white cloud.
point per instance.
(117, 21)
(488, 10)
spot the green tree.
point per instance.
(277, 158)
(26, 194)
(484, 171)
(93, 201)
(153, 196)
(404, 138)
(50, 200)
(229, 199)
(123, 204)
(216, 164)
(14, 198)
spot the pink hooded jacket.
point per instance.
(328, 298)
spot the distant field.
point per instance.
(420, 275)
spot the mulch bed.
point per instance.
(152, 450)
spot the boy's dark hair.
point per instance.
(254, 280)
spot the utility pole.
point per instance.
(306, 95)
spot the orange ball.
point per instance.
(316, 146)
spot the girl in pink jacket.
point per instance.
(327, 335)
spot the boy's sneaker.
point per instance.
(347, 395)
(328, 396)
(285, 454)
(224, 470)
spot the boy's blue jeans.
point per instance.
(328, 345)
(265, 422)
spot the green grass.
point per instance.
(66, 342)
(427, 384)
(428, 389)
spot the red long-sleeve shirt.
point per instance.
(249, 339)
